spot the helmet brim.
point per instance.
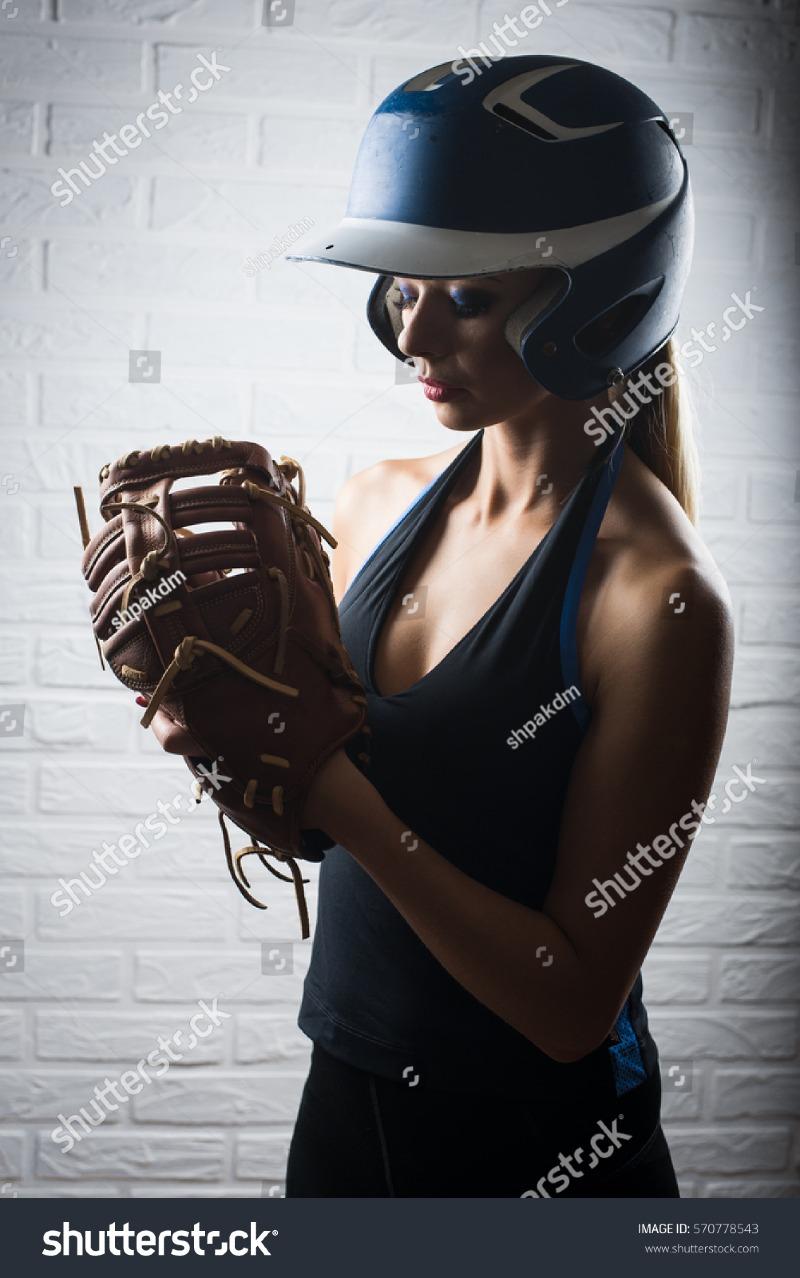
(432, 252)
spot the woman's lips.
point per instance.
(440, 392)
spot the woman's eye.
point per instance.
(465, 307)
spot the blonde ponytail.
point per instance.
(661, 433)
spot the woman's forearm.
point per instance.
(514, 960)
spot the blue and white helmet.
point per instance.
(535, 161)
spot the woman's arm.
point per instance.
(560, 975)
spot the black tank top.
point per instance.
(475, 758)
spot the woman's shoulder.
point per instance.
(659, 545)
(372, 499)
(652, 579)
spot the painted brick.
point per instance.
(749, 1188)
(715, 1149)
(107, 402)
(270, 1040)
(711, 920)
(14, 397)
(122, 1037)
(765, 1094)
(53, 974)
(122, 913)
(133, 13)
(16, 524)
(771, 864)
(17, 126)
(12, 912)
(60, 63)
(262, 1156)
(40, 1096)
(126, 1155)
(129, 792)
(54, 725)
(773, 618)
(131, 270)
(764, 679)
(12, 1030)
(727, 43)
(322, 143)
(204, 137)
(62, 332)
(12, 1149)
(240, 208)
(20, 265)
(605, 29)
(239, 1099)
(162, 976)
(13, 659)
(675, 980)
(59, 848)
(283, 76)
(754, 979)
(725, 1035)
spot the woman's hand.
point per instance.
(171, 737)
(332, 797)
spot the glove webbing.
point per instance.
(155, 561)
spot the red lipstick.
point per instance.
(440, 392)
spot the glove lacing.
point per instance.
(191, 646)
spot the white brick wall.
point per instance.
(150, 257)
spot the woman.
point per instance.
(545, 643)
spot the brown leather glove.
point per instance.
(232, 634)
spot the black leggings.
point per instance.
(359, 1135)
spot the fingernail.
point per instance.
(141, 701)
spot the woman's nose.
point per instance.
(424, 330)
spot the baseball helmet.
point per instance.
(533, 161)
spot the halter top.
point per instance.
(475, 758)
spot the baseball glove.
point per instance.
(250, 663)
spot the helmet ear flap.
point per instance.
(385, 322)
(603, 334)
(550, 293)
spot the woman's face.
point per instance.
(453, 329)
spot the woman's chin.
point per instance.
(457, 414)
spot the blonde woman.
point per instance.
(545, 643)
